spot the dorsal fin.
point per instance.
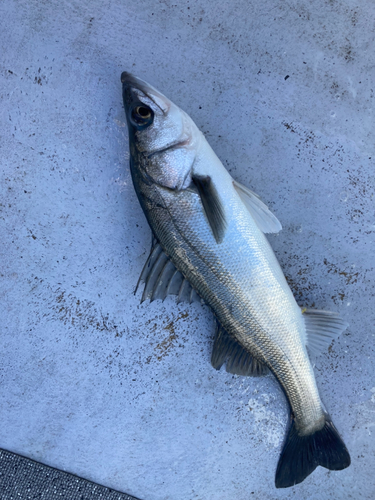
(266, 221)
(162, 278)
(321, 328)
(238, 360)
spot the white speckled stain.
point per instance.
(268, 422)
(352, 90)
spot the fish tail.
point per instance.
(302, 454)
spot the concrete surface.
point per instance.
(123, 394)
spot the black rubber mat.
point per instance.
(25, 479)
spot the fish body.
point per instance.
(210, 229)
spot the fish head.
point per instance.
(163, 139)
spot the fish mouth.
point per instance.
(133, 88)
(129, 80)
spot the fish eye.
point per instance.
(142, 116)
(143, 111)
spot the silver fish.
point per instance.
(209, 242)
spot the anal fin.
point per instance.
(321, 328)
(238, 360)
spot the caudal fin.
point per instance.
(302, 454)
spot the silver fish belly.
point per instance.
(210, 230)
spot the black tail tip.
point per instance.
(302, 454)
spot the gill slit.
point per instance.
(174, 145)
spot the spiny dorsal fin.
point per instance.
(321, 328)
(238, 360)
(266, 221)
(162, 278)
(212, 205)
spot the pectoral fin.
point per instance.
(266, 221)
(238, 360)
(212, 205)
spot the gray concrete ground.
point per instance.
(123, 394)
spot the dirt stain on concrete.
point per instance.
(164, 347)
